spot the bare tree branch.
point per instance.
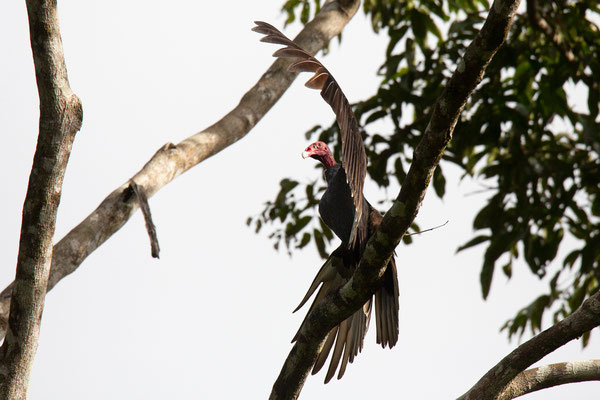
(172, 160)
(341, 304)
(551, 375)
(60, 119)
(584, 319)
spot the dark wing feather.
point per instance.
(288, 52)
(353, 149)
(305, 66)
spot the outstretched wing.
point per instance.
(353, 149)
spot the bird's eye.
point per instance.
(314, 146)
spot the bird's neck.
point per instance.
(327, 160)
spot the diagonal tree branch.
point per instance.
(551, 375)
(172, 160)
(60, 119)
(496, 379)
(341, 304)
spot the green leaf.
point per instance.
(474, 242)
(286, 186)
(500, 243)
(439, 182)
(585, 339)
(320, 243)
(483, 218)
(507, 269)
(305, 13)
(431, 26)
(326, 231)
(596, 206)
(395, 37)
(400, 173)
(577, 298)
(292, 229)
(536, 311)
(487, 272)
(304, 241)
(375, 116)
(258, 226)
(309, 193)
(418, 24)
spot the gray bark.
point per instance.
(60, 118)
(551, 375)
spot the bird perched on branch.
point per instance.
(347, 213)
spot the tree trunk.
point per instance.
(60, 118)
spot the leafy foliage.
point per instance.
(300, 9)
(519, 133)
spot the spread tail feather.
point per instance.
(322, 357)
(346, 339)
(325, 274)
(386, 307)
(340, 343)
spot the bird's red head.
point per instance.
(319, 151)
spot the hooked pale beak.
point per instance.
(305, 154)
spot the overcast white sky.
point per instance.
(212, 318)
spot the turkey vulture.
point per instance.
(344, 209)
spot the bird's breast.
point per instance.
(336, 206)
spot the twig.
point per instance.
(427, 230)
(484, 189)
(145, 207)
